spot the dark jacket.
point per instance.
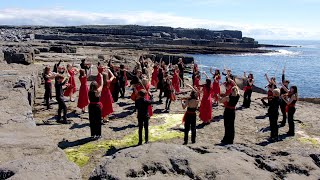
(273, 104)
(142, 107)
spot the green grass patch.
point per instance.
(81, 155)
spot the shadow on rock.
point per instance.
(79, 126)
(123, 127)
(66, 144)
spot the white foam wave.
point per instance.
(282, 52)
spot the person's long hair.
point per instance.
(105, 78)
(217, 73)
(93, 86)
(193, 95)
(208, 84)
(295, 91)
(81, 73)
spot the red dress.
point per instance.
(154, 77)
(140, 87)
(99, 76)
(106, 100)
(72, 88)
(229, 87)
(216, 87)
(176, 81)
(83, 99)
(206, 105)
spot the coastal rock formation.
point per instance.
(172, 161)
(20, 55)
(25, 153)
(63, 49)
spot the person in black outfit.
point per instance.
(55, 67)
(181, 71)
(291, 99)
(116, 86)
(190, 116)
(141, 105)
(283, 104)
(85, 66)
(273, 113)
(122, 80)
(229, 115)
(247, 90)
(160, 85)
(168, 90)
(229, 74)
(47, 76)
(95, 107)
(59, 96)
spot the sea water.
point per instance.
(301, 63)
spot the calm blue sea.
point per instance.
(302, 64)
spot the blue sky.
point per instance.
(269, 19)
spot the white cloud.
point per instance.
(58, 17)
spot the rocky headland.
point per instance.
(34, 146)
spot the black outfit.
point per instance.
(190, 123)
(48, 90)
(181, 72)
(116, 88)
(94, 114)
(60, 100)
(143, 117)
(247, 94)
(160, 85)
(122, 83)
(283, 104)
(231, 75)
(291, 111)
(273, 113)
(55, 67)
(167, 93)
(229, 116)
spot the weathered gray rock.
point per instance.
(20, 55)
(162, 161)
(43, 49)
(63, 49)
(25, 153)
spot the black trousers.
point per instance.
(190, 123)
(182, 80)
(115, 92)
(122, 88)
(291, 112)
(62, 107)
(229, 116)
(95, 119)
(160, 94)
(143, 122)
(247, 98)
(47, 93)
(273, 118)
(284, 113)
(168, 103)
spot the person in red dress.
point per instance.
(205, 109)
(83, 99)
(71, 88)
(106, 96)
(229, 85)
(99, 75)
(154, 77)
(176, 80)
(216, 85)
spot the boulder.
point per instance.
(63, 49)
(172, 161)
(43, 49)
(20, 55)
(36, 51)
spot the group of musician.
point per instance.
(111, 83)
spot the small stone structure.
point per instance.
(20, 55)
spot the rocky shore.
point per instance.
(34, 146)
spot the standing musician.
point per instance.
(181, 71)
